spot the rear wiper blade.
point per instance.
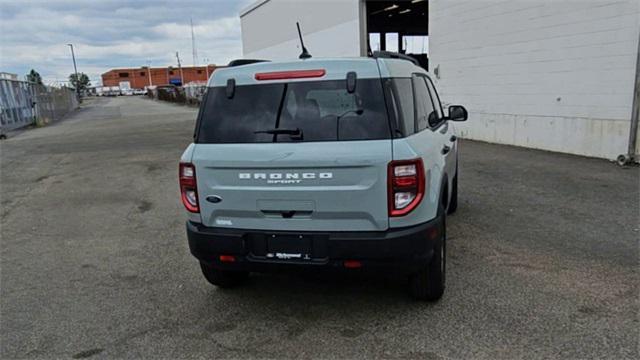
(295, 131)
(296, 134)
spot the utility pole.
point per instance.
(75, 69)
(193, 45)
(206, 66)
(180, 67)
(149, 72)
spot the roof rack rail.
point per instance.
(394, 55)
(240, 62)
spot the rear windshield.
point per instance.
(298, 111)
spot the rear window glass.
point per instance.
(298, 111)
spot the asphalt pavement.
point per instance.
(94, 262)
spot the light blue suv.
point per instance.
(345, 164)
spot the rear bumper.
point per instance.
(403, 250)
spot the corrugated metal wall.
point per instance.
(331, 28)
(553, 75)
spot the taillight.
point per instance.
(406, 182)
(188, 188)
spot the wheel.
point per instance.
(428, 283)
(223, 279)
(453, 204)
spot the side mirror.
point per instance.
(457, 113)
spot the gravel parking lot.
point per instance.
(543, 259)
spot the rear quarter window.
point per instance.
(423, 104)
(401, 93)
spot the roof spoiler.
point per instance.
(394, 55)
(240, 62)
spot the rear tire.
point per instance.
(429, 283)
(223, 279)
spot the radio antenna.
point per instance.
(305, 54)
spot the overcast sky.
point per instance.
(114, 33)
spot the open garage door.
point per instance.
(400, 26)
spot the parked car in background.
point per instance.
(101, 90)
(112, 91)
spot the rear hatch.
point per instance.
(298, 155)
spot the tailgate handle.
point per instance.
(287, 214)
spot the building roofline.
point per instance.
(256, 4)
(164, 68)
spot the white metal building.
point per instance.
(554, 75)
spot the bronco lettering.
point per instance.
(285, 178)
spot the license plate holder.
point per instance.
(289, 247)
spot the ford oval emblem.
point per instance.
(214, 199)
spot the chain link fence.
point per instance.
(23, 103)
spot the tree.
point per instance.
(82, 83)
(34, 77)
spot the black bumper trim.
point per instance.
(404, 248)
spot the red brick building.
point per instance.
(138, 78)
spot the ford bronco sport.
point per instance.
(322, 163)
